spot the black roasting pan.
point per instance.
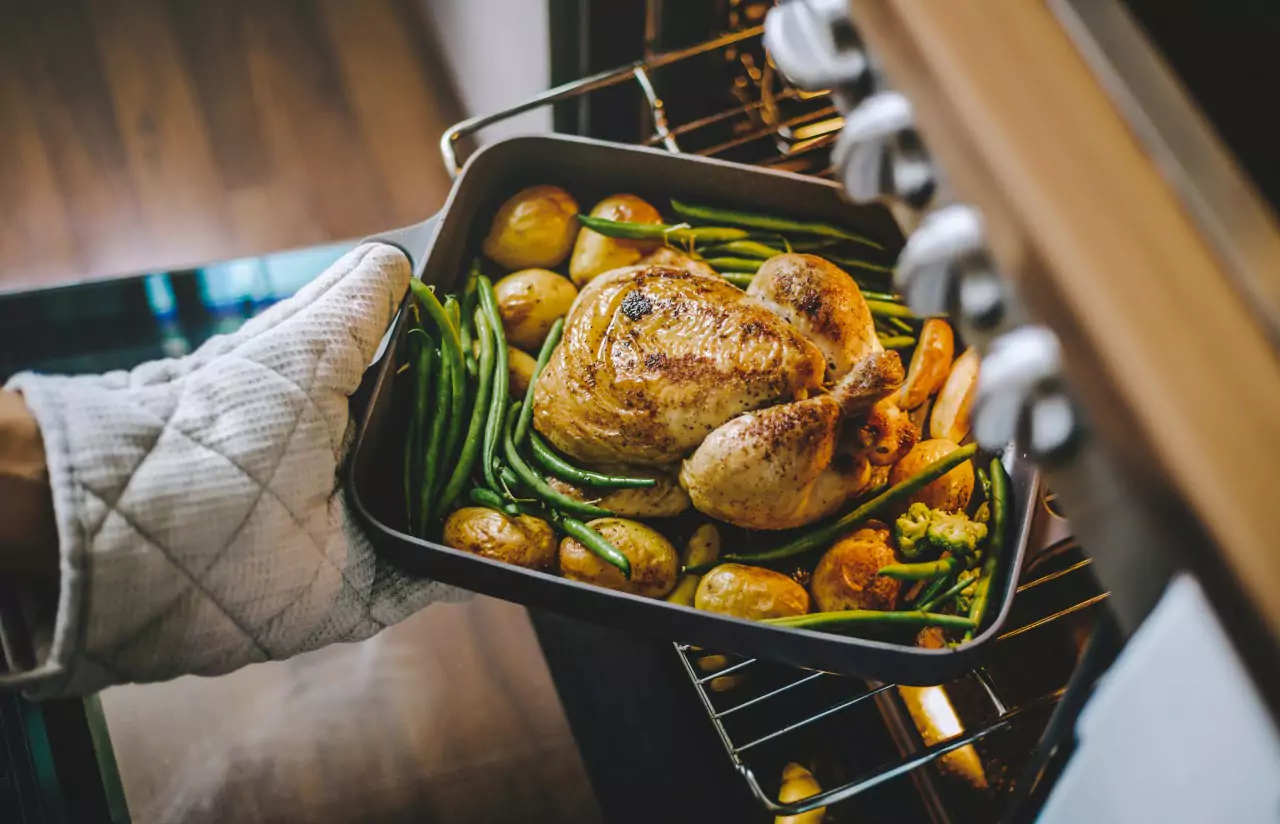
(441, 248)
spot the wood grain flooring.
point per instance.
(448, 717)
(142, 135)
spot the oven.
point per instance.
(1146, 597)
(991, 745)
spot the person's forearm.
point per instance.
(28, 535)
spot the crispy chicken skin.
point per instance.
(654, 358)
(778, 468)
(676, 259)
(824, 303)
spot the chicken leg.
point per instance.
(779, 467)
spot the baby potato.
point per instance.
(950, 492)
(665, 499)
(654, 563)
(797, 785)
(930, 363)
(950, 416)
(703, 547)
(525, 541)
(534, 227)
(846, 576)
(520, 368)
(595, 254)
(750, 592)
(530, 302)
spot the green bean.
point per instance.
(923, 571)
(824, 534)
(540, 488)
(429, 483)
(751, 220)
(565, 471)
(451, 356)
(853, 618)
(951, 592)
(548, 346)
(423, 362)
(512, 484)
(855, 263)
(752, 249)
(479, 414)
(995, 544)
(677, 233)
(593, 541)
(901, 325)
(468, 313)
(458, 408)
(818, 245)
(889, 310)
(934, 587)
(727, 264)
(897, 341)
(886, 296)
(487, 497)
(740, 279)
(498, 401)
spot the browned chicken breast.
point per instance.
(824, 303)
(654, 358)
(676, 259)
(778, 468)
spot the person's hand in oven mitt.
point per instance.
(187, 516)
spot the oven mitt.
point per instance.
(198, 500)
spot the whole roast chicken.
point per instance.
(654, 358)
(663, 362)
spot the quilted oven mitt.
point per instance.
(200, 519)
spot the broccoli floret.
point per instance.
(955, 533)
(910, 530)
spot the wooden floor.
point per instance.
(448, 717)
(142, 135)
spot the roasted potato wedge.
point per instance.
(930, 363)
(950, 492)
(654, 563)
(846, 576)
(594, 254)
(950, 417)
(525, 541)
(530, 301)
(703, 547)
(534, 227)
(520, 368)
(750, 592)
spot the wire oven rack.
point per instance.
(767, 714)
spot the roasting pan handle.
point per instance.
(414, 240)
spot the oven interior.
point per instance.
(976, 749)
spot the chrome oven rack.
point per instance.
(767, 714)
